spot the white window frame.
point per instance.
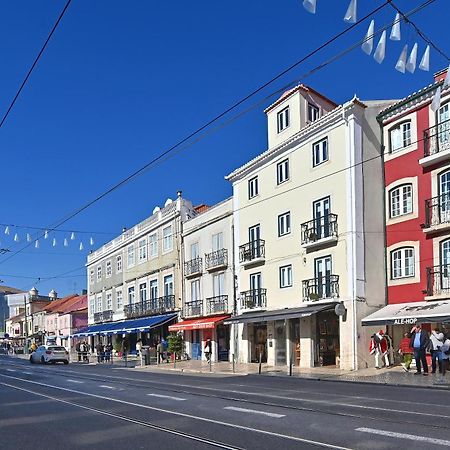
(142, 250)
(401, 200)
(108, 269)
(283, 174)
(318, 150)
(195, 290)
(217, 241)
(400, 136)
(131, 257)
(285, 273)
(313, 112)
(153, 245)
(109, 305)
(143, 292)
(167, 239)
(131, 293)
(99, 273)
(402, 263)
(119, 264)
(92, 305)
(91, 276)
(119, 299)
(284, 224)
(99, 303)
(283, 119)
(253, 187)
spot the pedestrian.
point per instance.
(379, 347)
(160, 352)
(138, 347)
(420, 342)
(33, 347)
(444, 356)
(436, 340)
(108, 351)
(78, 350)
(84, 348)
(208, 350)
(100, 352)
(406, 351)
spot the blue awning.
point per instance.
(126, 326)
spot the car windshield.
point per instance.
(57, 348)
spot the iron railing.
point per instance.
(150, 307)
(319, 228)
(437, 210)
(193, 266)
(218, 258)
(438, 280)
(252, 250)
(320, 288)
(194, 308)
(217, 305)
(436, 138)
(104, 316)
(254, 298)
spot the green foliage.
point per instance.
(175, 344)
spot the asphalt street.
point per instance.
(76, 406)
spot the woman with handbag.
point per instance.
(444, 356)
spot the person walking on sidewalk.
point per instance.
(406, 351)
(208, 350)
(437, 339)
(159, 352)
(419, 342)
(444, 356)
(100, 352)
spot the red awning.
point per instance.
(198, 324)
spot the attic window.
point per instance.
(283, 119)
(313, 113)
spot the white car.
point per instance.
(46, 354)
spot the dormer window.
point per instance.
(283, 119)
(400, 136)
(313, 113)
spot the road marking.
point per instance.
(174, 413)
(107, 387)
(11, 370)
(74, 381)
(28, 373)
(179, 399)
(411, 437)
(252, 411)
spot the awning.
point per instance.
(410, 313)
(281, 314)
(126, 326)
(198, 324)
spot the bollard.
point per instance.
(260, 358)
(174, 360)
(290, 366)
(125, 356)
(210, 363)
(234, 368)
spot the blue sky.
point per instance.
(122, 81)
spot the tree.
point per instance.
(175, 344)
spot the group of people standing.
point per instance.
(104, 352)
(83, 349)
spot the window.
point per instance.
(253, 187)
(142, 250)
(91, 306)
(194, 250)
(217, 242)
(284, 224)
(402, 263)
(400, 200)
(109, 301)
(153, 244)
(168, 285)
(283, 171)
(195, 290)
(320, 152)
(143, 292)
(99, 273)
(119, 263)
(119, 299)
(167, 239)
(91, 276)
(108, 269)
(154, 289)
(99, 307)
(285, 276)
(313, 113)
(130, 262)
(283, 119)
(219, 284)
(131, 295)
(400, 136)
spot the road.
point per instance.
(75, 406)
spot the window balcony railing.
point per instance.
(194, 308)
(438, 280)
(252, 251)
(437, 210)
(193, 267)
(318, 229)
(150, 307)
(104, 316)
(217, 259)
(254, 298)
(217, 305)
(320, 288)
(436, 139)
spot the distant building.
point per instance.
(4, 309)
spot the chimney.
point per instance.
(440, 76)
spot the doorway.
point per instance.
(196, 345)
(223, 342)
(259, 342)
(280, 343)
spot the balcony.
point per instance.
(438, 282)
(436, 143)
(193, 268)
(321, 288)
(192, 309)
(217, 305)
(252, 253)
(320, 232)
(216, 260)
(254, 299)
(437, 214)
(105, 316)
(150, 307)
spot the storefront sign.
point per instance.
(409, 321)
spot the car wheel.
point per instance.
(43, 360)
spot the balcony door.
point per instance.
(322, 269)
(154, 293)
(255, 288)
(217, 242)
(444, 198)
(168, 285)
(254, 235)
(321, 211)
(444, 127)
(445, 265)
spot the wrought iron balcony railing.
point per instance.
(436, 139)
(252, 250)
(194, 308)
(437, 210)
(320, 288)
(218, 258)
(217, 305)
(438, 280)
(104, 316)
(254, 298)
(150, 307)
(193, 267)
(320, 228)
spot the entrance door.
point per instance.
(196, 345)
(321, 211)
(444, 127)
(280, 343)
(254, 235)
(327, 339)
(323, 276)
(259, 349)
(223, 341)
(445, 265)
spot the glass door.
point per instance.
(445, 265)
(154, 293)
(254, 235)
(444, 198)
(321, 211)
(323, 276)
(444, 127)
(255, 288)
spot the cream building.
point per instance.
(308, 218)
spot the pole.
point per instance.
(260, 358)
(290, 365)
(234, 368)
(210, 362)
(25, 347)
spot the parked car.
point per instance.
(46, 354)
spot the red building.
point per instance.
(416, 152)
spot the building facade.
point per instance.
(308, 233)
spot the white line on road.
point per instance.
(107, 387)
(410, 437)
(252, 411)
(178, 399)
(11, 370)
(74, 381)
(28, 373)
